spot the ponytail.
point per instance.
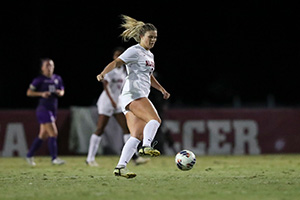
(134, 29)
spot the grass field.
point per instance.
(213, 177)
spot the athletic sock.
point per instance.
(93, 148)
(37, 143)
(126, 137)
(128, 150)
(150, 131)
(52, 145)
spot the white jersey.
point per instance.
(115, 79)
(140, 66)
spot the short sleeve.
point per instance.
(35, 84)
(108, 77)
(60, 83)
(130, 55)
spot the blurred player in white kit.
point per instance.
(108, 105)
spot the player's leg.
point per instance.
(37, 143)
(95, 140)
(51, 129)
(144, 110)
(120, 117)
(136, 127)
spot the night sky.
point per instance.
(206, 55)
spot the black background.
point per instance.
(207, 54)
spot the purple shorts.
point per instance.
(45, 115)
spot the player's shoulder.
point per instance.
(56, 76)
(38, 78)
(143, 50)
(133, 48)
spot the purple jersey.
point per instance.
(43, 84)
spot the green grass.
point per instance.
(213, 177)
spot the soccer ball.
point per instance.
(185, 160)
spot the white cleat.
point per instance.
(92, 163)
(30, 161)
(58, 161)
(140, 160)
(124, 172)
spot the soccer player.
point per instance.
(108, 105)
(47, 87)
(142, 118)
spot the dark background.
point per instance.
(207, 54)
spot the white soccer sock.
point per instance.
(150, 131)
(128, 150)
(126, 137)
(93, 148)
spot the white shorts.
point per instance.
(105, 107)
(127, 99)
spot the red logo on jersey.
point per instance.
(150, 63)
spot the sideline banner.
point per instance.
(18, 128)
(84, 124)
(203, 131)
(234, 131)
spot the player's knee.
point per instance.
(139, 136)
(43, 135)
(53, 134)
(157, 118)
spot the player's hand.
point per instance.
(46, 94)
(166, 94)
(60, 93)
(100, 77)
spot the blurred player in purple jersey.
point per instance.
(47, 87)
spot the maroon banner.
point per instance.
(204, 131)
(235, 131)
(18, 128)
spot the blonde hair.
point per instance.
(134, 29)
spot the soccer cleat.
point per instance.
(58, 161)
(124, 172)
(92, 163)
(148, 151)
(30, 161)
(140, 161)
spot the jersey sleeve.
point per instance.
(108, 76)
(34, 85)
(129, 56)
(61, 85)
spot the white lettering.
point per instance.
(174, 127)
(188, 136)
(217, 136)
(246, 132)
(14, 140)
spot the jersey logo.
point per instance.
(150, 63)
(56, 81)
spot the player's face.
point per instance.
(48, 68)
(148, 40)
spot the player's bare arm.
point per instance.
(32, 93)
(105, 86)
(156, 85)
(116, 63)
